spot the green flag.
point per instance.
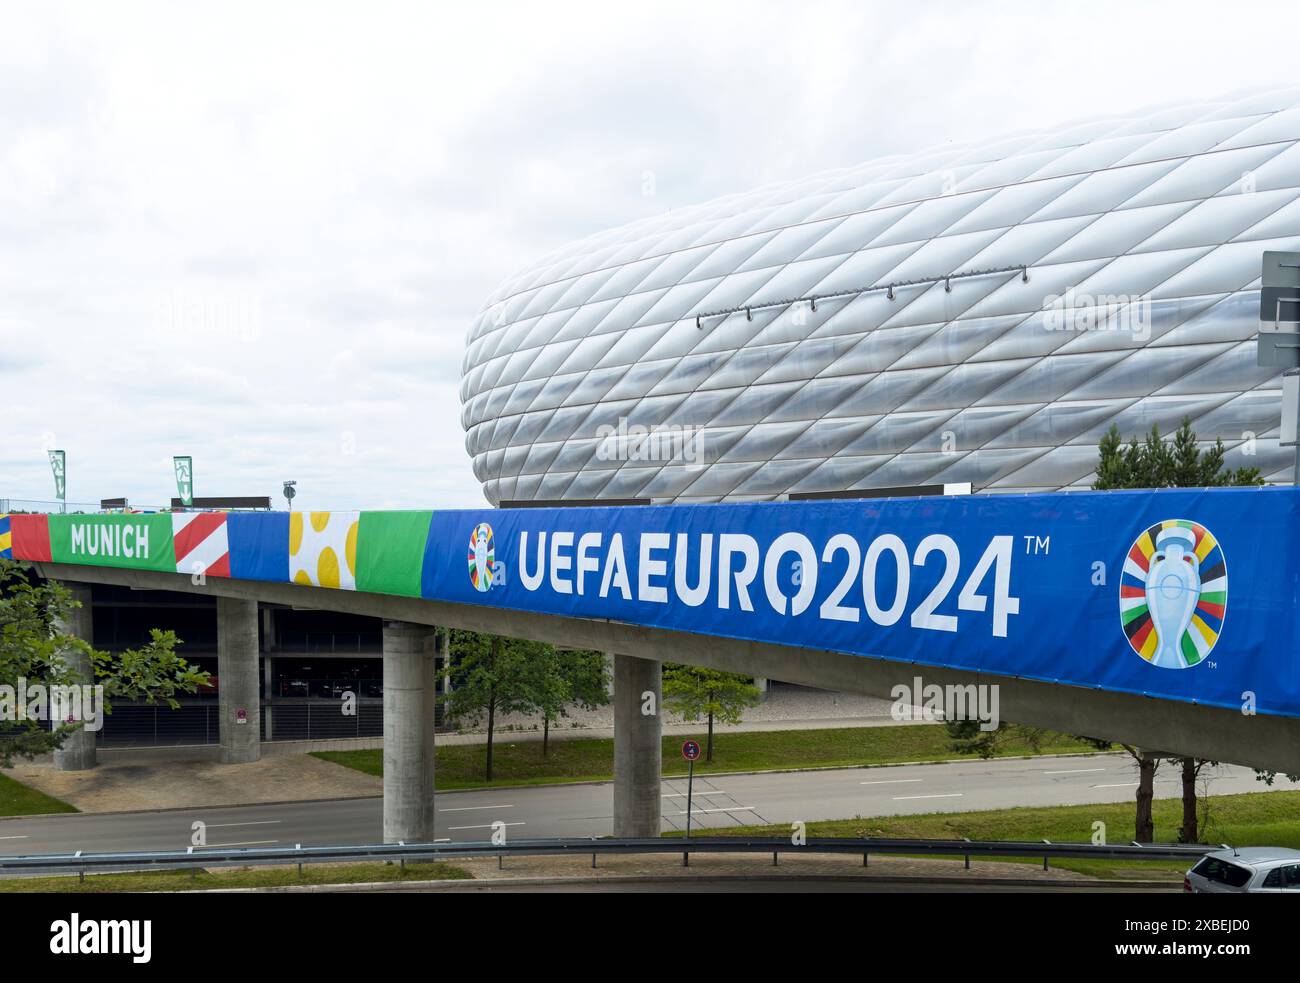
(59, 465)
(184, 479)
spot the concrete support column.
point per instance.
(78, 751)
(409, 666)
(239, 683)
(760, 683)
(638, 737)
(609, 678)
(268, 691)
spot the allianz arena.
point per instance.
(980, 313)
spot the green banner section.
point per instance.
(141, 542)
(390, 552)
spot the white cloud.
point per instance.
(258, 233)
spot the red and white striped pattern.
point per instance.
(201, 545)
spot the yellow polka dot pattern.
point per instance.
(323, 549)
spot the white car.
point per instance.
(1248, 870)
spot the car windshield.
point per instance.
(1222, 872)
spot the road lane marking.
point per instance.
(472, 808)
(23, 837)
(682, 795)
(892, 781)
(697, 812)
(1073, 771)
(452, 829)
(222, 846)
(946, 795)
(258, 822)
(1118, 785)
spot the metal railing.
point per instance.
(155, 725)
(82, 863)
(39, 506)
(360, 642)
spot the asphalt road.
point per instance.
(586, 810)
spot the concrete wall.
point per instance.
(1170, 726)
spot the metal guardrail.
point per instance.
(82, 863)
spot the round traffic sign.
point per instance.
(691, 750)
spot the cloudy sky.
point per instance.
(257, 233)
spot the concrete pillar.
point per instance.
(268, 691)
(609, 677)
(638, 746)
(78, 751)
(409, 657)
(239, 683)
(760, 682)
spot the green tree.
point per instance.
(1157, 462)
(34, 647)
(490, 677)
(695, 692)
(560, 679)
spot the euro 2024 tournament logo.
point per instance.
(482, 558)
(1173, 594)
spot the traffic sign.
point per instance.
(691, 750)
(1279, 310)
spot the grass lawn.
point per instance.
(180, 880)
(585, 759)
(16, 799)
(1248, 819)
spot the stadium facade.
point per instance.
(975, 314)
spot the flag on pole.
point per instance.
(184, 479)
(59, 465)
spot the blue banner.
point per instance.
(1118, 590)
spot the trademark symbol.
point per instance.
(1038, 545)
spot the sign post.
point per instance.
(1279, 337)
(59, 465)
(690, 751)
(184, 467)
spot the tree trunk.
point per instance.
(710, 755)
(546, 734)
(1145, 831)
(1190, 832)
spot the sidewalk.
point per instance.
(126, 782)
(671, 728)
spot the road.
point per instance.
(586, 810)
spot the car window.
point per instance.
(1274, 878)
(1222, 872)
(1291, 877)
